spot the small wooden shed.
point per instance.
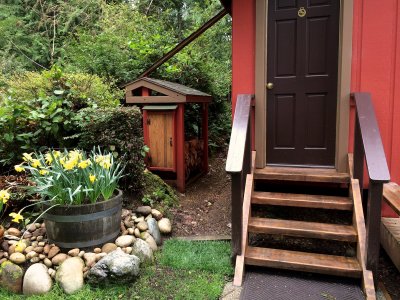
(163, 107)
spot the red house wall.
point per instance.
(375, 65)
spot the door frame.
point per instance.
(344, 82)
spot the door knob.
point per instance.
(270, 85)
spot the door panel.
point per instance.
(161, 139)
(303, 66)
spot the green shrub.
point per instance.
(118, 130)
(38, 109)
(157, 192)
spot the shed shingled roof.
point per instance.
(176, 87)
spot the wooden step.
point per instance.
(302, 261)
(301, 200)
(301, 174)
(303, 229)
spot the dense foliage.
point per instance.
(118, 130)
(39, 109)
(156, 192)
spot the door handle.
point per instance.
(170, 141)
(270, 85)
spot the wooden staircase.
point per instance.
(257, 198)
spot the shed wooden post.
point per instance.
(180, 148)
(205, 137)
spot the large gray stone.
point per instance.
(142, 250)
(70, 274)
(117, 266)
(154, 230)
(37, 280)
(11, 277)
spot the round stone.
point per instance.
(109, 247)
(165, 225)
(14, 231)
(97, 250)
(53, 252)
(37, 280)
(17, 258)
(125, 241)
(142, 226)
(59, 259)
(144, 210)
(74, 252)
(156, 214)
(70, 275)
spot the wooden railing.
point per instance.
(238, 165)
(368, 148)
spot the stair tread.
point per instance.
(301, 174)
(303, 261)
(302, 200)
(303, 229)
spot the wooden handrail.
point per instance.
(238, 164)
(368, 148)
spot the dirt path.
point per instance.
(205, 207)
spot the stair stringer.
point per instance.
(359, 224)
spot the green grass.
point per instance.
(198, 271)
(213, 256)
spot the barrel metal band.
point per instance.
(80, 218)
(103, 240)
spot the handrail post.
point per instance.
(373, 225)
(237, 193)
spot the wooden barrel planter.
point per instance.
(84, 226)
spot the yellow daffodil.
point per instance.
(35, 163)
(84, 164)
(62, 161)
(4, 196)
(27, 157)
(49, 158)
(19, 168)
(69, 165)
(16, 217)
(20, 246)
(43, 172)
(56, 154)
(92, 178)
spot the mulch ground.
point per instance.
(205, 208)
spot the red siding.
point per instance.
(375, 66)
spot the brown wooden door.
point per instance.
(303, 45)
(161, 139)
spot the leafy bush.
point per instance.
(157, 192)
(120, 131)
(38, 109)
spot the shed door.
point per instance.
(161, 139)
(303, 44)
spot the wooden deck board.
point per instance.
(302, 200)
(301, 261)
(301, 174)
(303, 229)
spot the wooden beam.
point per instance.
(391, 194)
(185, 42)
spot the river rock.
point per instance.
(109, 247)
(142, 226)
(90, 258)
(154, 230)
(11, 277)
(125, 241)
(70, 274)
(125, 213)
(142, 250)
(17, 258)
(37, 280)
(47, 262)
(152, 243)
(97, 250)
(35, 259)
(31, 254)
(165, 225)
(143, 210)
(59, 259)
(5, 246)
(137, 233)
(31, 227)
(117, 266)
(74, 252)
(53, 252)
(156, 214)
(14, 232)
(46, 249)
